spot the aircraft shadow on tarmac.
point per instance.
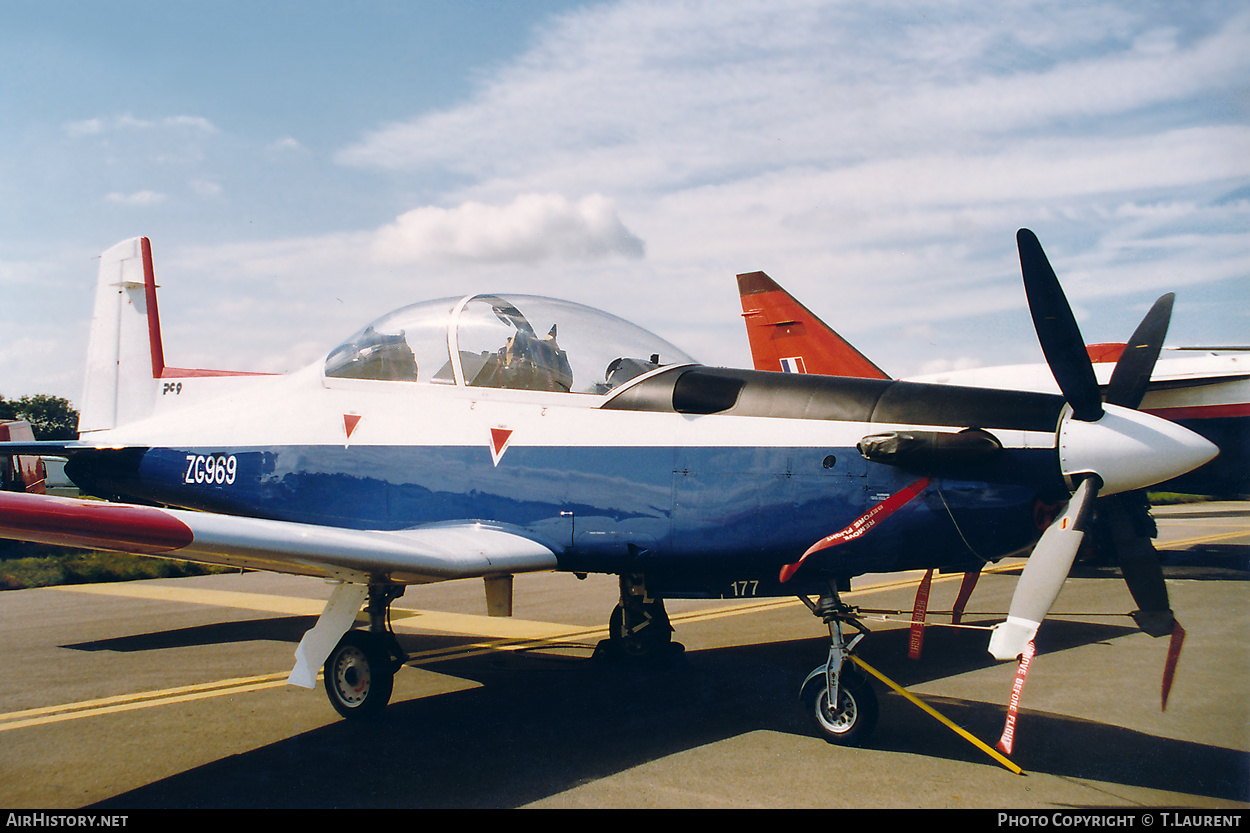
(542, 724)
(275, 629)
(1203, 562)
(1224, 562)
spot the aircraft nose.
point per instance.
(1129, 449)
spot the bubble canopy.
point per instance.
(520, 342)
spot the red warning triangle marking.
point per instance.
(350, 421)
(499, 442)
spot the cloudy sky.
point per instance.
(304, 167)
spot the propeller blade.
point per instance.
(1044, 574)
(1137, 362)
(1057, 331)
(1116, 450)
(1126, 519)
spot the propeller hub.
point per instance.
(1129, 449)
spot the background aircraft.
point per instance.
(1204, 389)
(487, 435)
(21, 472)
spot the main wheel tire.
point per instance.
(855, 717)
(644, 643)
(359, 675)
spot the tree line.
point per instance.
(50, 417)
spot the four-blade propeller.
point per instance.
(1105, 450)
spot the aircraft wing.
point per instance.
(413, 556)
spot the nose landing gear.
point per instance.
(838, 699)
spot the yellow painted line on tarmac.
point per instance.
(289, 605)
(469, 624)
(1205, 539)
(906, 579)
(139, 700)
(403, 618)
(495, 633)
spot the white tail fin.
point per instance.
(124, 355)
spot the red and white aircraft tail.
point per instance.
(126, 377)
(124, 354)
(786, 336)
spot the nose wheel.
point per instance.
(838, 700)
(855, 716)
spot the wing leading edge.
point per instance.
(411, 556)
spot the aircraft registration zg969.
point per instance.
(491, 435)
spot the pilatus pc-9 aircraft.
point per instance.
(492, 435)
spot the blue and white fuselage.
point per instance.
(708, 480)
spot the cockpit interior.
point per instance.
(490, 341)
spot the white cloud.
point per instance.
(35, 362)
(883, 154)
(97, 126)
(644, 94)
(205, 188)
(86, 127)
(530, 229)
(945, 365)
(286, 144)
(138, 198)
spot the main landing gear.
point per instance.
(638, 628)
(360, 671)
(837, 697)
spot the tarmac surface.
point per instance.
(172, 694)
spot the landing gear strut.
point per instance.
(359, 673)
(839, 700)
(639, 626)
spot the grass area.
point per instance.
(1172, 498)
(37, 565)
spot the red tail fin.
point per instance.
(786, 336)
